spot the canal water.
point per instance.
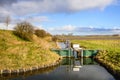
(69, 69)
(88, 69)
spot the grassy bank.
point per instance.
(16, 53)
(109, 54)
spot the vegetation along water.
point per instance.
(109, 54)
(24, 52)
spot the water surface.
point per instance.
(89, 70)
(69, 69)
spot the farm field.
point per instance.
(109, 51)
(89, 37)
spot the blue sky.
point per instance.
(80, 17)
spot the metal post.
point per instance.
(81, 52)
(81, 61)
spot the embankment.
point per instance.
(18, 55)
(109, 55)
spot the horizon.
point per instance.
(100, 17)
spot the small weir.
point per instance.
(74, 51)
(69, 69)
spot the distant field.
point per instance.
(93, 37)
(110, 50)
(110, 45)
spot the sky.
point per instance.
(79, 17)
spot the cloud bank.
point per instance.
(26, 7)
(83, 30)
(66, 28)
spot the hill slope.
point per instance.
(17, 53)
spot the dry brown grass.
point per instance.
(16, 53)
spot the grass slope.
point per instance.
(110, 54)
(16, 53)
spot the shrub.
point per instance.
(24, 30)
(54, 38)
(41, 33)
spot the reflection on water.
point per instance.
(22, 76)
(82, 61)
(62, 45)
(70, 69)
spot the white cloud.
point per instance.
(10, 26)
(49, 6)
(77, 5)
(17, 8)
(66, 28)
(37, 19)
(39, 27)
(24, 7)
(2, 26)
(116, 30)
(31, 19)
(91, 27)
(116, 27)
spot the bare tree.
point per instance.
(7, 21)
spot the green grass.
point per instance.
(16, 53)
(110, 51)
